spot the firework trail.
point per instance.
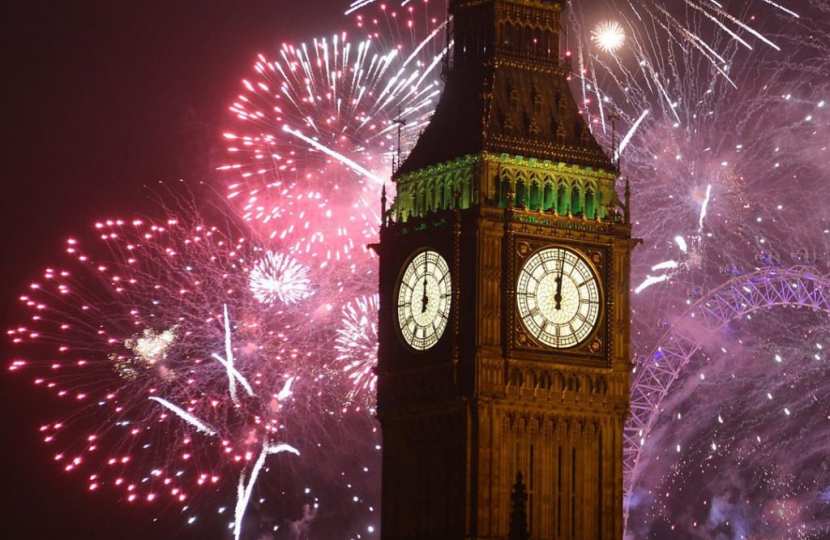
(726, 170)
(199, 354)
(726, 149)
(727, 140)
(176, 378)
(317, 129)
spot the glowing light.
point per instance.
(280, 277)
(233, 375)
(609, 36)
(356, 346)
(315, 135)
(650, 281)
(228, 375)
(152, 347)
(184, 415)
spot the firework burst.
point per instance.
(609, 36)
(316, 133)
(357, 347)
(725, 148)
(177, 380)
(279, 277)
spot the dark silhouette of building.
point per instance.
(518, 511)
(504, 304)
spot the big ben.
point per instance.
(504, 304)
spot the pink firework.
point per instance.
(175, 378)
(316, 132)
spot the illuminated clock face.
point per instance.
(424, 298)
(558, 297)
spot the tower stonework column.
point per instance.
(504, 300)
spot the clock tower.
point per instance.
(503, 369)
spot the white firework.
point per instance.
(280, 277)
(151, 346)
(609, 36)
(357, 346)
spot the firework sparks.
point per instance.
(735, 139)
(316, 132)
(609, 36)
(732, 119)
(184, 415)
(149, 432)
(356, 346)
(336, 155)
(152, 347)
(280, 277)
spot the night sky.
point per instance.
(100, 103)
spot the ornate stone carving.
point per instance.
(519, 173)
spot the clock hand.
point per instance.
(425, 299)
(558, 296)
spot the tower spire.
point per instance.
(383, 206)
(507, 90)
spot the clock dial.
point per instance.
(558, 297)
(424, 299)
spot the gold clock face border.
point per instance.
(398, 285)
(593, 344)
